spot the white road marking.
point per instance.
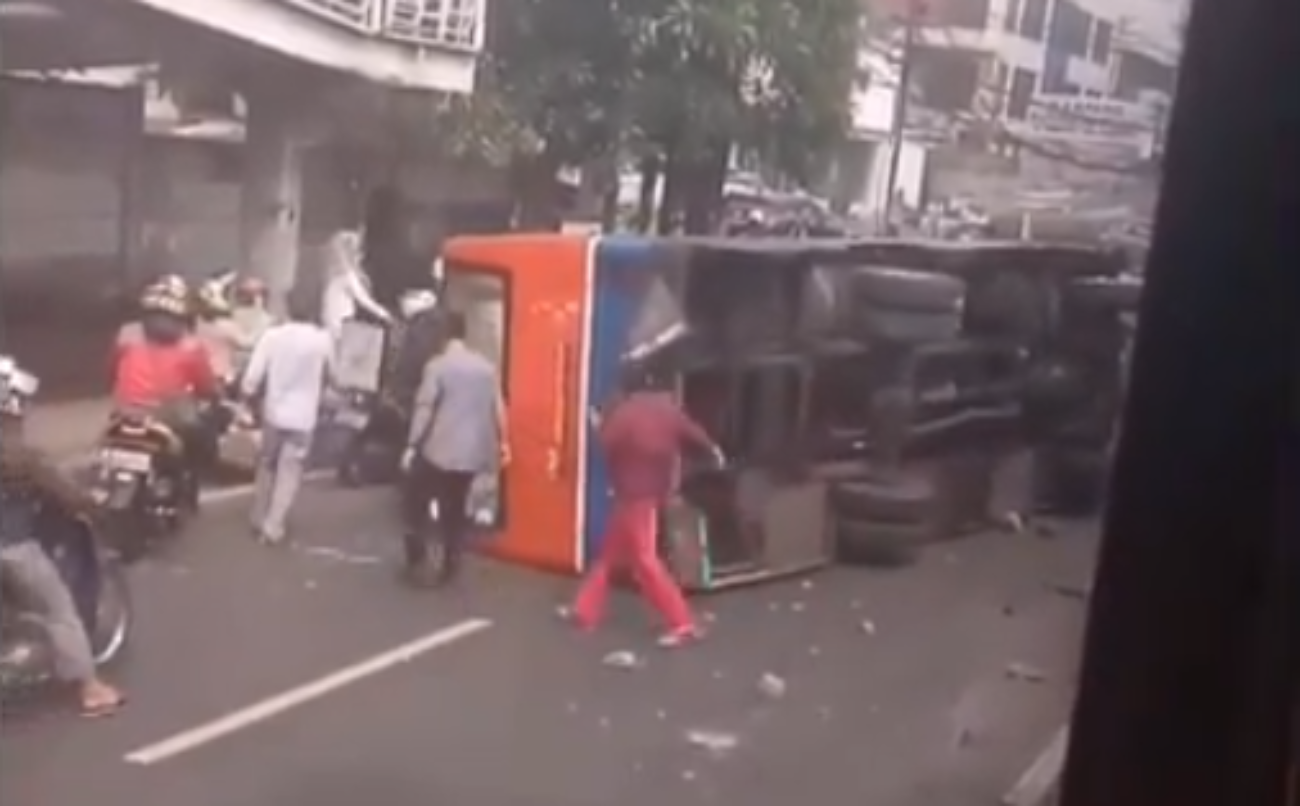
(271, 707)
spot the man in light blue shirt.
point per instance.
(289, 368)
(458, 431)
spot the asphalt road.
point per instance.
(895, 685)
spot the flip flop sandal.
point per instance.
(104, 709)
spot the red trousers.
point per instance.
(630, 542)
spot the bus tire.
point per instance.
(908, 500)
(880, 545)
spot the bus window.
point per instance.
(482, 296)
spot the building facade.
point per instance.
(994, 58)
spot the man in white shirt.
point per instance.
(289, 368)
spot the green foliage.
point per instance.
(578, 79)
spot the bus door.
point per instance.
(534, 340)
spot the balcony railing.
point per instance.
(452, 24)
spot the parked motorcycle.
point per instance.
(99, 588)
(375, 431)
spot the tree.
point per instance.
(674, 82)
(550, 91)
(770, 76)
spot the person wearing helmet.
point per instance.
(161, 360)
(232, 318)
(164, 369)
(212, 326)
(26, 476)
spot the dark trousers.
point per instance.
(425, 484)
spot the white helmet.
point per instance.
(417, 301)
(17, 386)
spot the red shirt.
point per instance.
(642, 438)
(149, 374)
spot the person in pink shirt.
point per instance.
(642, 437)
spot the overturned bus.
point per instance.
(867, 393)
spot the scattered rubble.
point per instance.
(1025, 673)
(717, 743)
(622, 660)
(772, 686)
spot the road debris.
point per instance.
(1025, 673)
(797, 607)
(717, 743)
(622, 660)
(772, 686)
(868, 626)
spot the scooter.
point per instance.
(101, 593)
(147, 481)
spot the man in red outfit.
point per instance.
(642, 437)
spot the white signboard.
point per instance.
(1096, 123)
(359, 356)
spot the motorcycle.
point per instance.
(101, 593)
(376, 431)
(147, 480)
(370, 425)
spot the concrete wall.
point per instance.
(80, 226)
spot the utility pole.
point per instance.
(912, 11)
